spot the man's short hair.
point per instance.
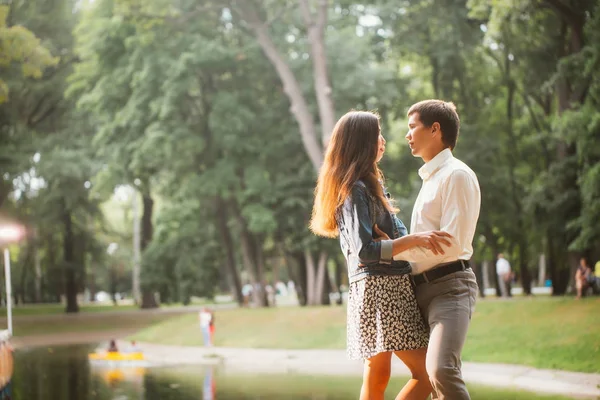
(442, 112)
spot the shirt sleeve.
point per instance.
(460, 210)
(356, 221)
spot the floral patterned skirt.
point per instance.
(383, 315)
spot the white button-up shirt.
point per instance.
(502, 266)
(449, 201)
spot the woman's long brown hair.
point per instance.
(351, 155)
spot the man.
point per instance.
(504, 274)
(449, 200)
(205, 318)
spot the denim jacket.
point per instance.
(365, 256)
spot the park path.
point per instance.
(334, 362)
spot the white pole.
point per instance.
(542, 272)
(8, 290)
(486, 277)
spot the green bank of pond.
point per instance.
(64, 373)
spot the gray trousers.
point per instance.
(447, 305)
(503, 286)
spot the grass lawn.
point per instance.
(77, 324)
(556, 333)
(55, 309)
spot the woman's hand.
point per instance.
(432, 240)
(381, 235)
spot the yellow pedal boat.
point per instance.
(116, 356)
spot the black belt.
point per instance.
(437, 273)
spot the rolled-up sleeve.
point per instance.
(357, 223)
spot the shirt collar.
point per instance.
(435, 163)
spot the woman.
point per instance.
(112, 346)
(583, 277)
(383, 316)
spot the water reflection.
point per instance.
(209, 387)
(45, 374)
(65, 374)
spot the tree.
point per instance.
(20, 47)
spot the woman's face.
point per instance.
(380, 147)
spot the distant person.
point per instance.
(247, 293)
(205, 318)
(212, 326)
(583, 277)
(596, 284)
(6, 365)
(291, 286)
(281, 289)
(133, 347)
(504, 274)
(112, 346)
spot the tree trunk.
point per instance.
(92, 283)
(249, 258)
(137, 249)
(291, 86)
(248, 262)
(80, 251)
(317, 278)
(5, 189)
(113, 283)
(568, 95)
(69, 261)
(148, 299)
(339, 270)
(38, 269)
(321, 278)
(327, 288)
(259, 261)
(293, 264)
(478, 270)
(310, 278)
(556, 266)
(51, 265)
(233, 277)
(147, 228)
(301, 284)
(524, 266)
(315, 25)
(517, 195)
(25, 263)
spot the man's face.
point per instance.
(419, 137)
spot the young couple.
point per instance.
(409, 295)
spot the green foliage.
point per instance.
(21, 47)
(177, 101)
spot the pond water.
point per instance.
(64, 373)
